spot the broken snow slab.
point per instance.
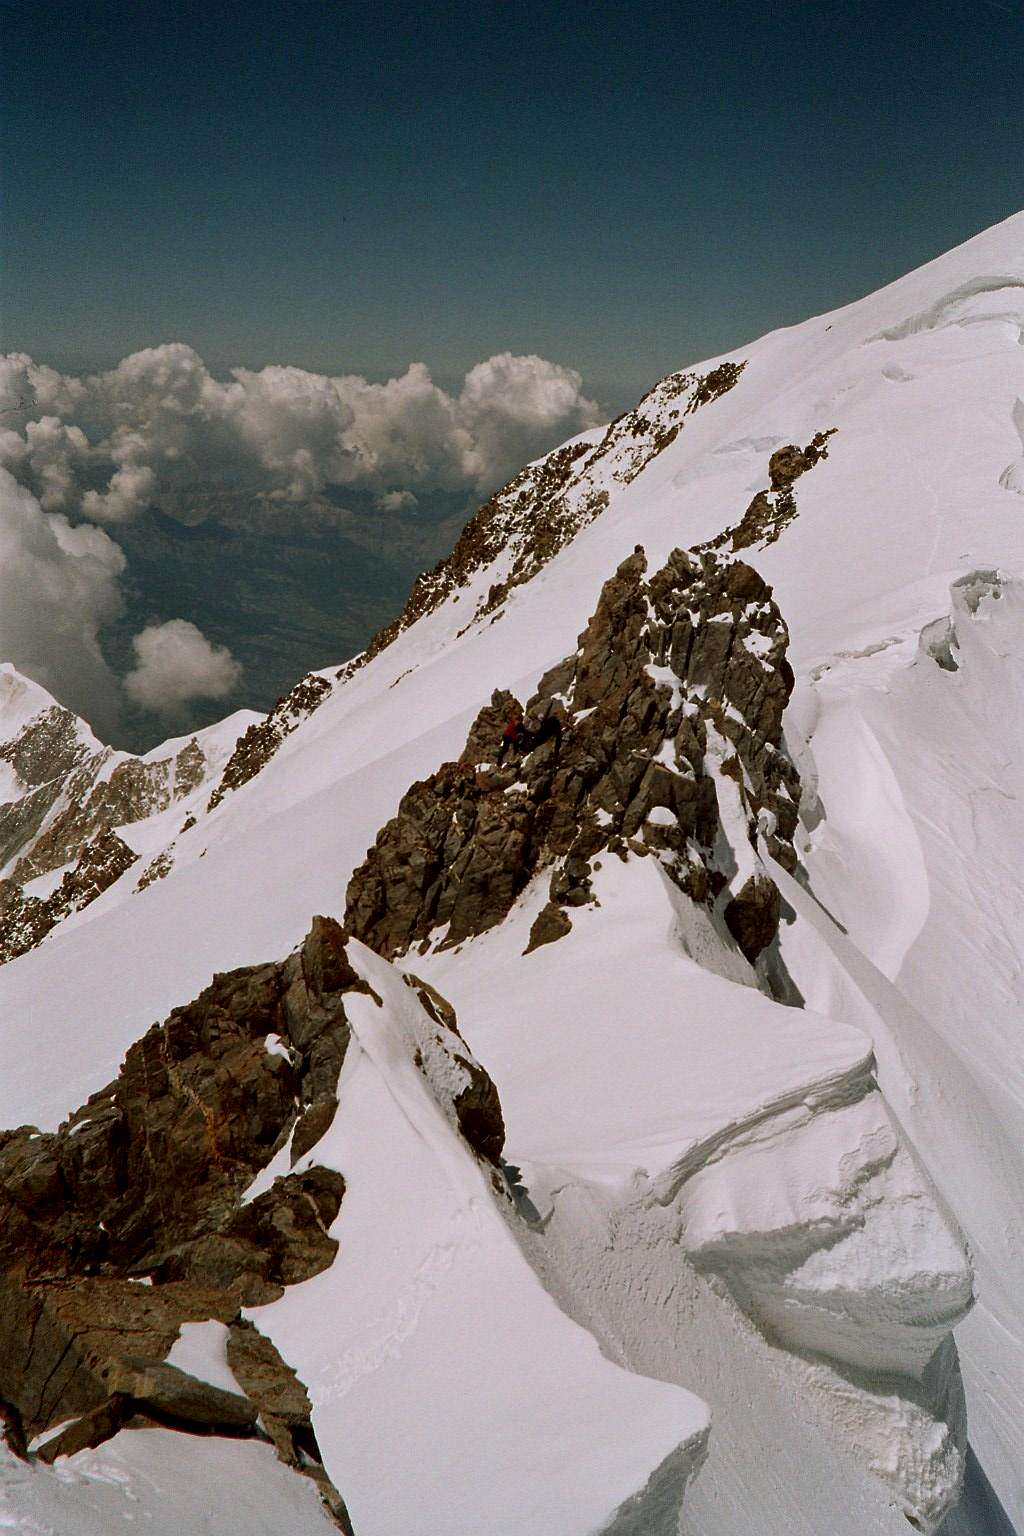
(449, 1391)
(163, 1483)
(617, 1051)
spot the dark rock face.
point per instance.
(256, 746)
(129, 1221)
(752, 915)
(48, 747)
(26, 920)
(773, 509)
(671, 705)
(144, 1183)
(547, 504)
(67, 814)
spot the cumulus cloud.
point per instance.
(175, 663)
(104, 446)
(58, 587)
(78, 455)
(398, 501)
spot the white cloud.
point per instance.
(129, 489)
(508, 405)
(397, 501)
(159, 423)
(175, 663)
(58, 587)
(93, 451)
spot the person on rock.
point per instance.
(513, 737)
(548, 729)
(521, 739)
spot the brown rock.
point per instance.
(464, 844)
(170, 1396)
(548, 503)
(551, 923)
(315, 1123)
(257, 745)
(752, 916)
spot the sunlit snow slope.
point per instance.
(778, 1206)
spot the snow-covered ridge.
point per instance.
(64, 794)
(528, 521)
(754, 1202)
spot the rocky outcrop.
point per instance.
(257, 745)
(129, 1221)
(527, 522)
(668, 743)
(48, 826)
(773, 509)
(26, 920)
(459, 1082)
(133, 790)
(68, 795)
(48, 747)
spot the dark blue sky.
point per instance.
(623, 188)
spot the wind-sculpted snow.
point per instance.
(680, 1138)
(1012, 477)
(454, 1394)
(958, 308)
(755, 1198)
(943, 1002)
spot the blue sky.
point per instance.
(622, 188)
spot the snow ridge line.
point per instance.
(836, 1091)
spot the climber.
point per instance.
(549, 729)
(517, 734)
(514, 735)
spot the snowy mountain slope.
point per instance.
(918, 860)
(443, 1340)
(63, 796)
(912, 765)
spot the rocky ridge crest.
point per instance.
(542, 509)
(129, 1221)
(670, 721)
(257, 745)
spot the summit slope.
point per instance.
(774, 1187)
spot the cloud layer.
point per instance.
(79, 454)
(104, 446)
(175, 663)
(58, 587)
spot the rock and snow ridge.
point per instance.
(710, 1181)
(661, 734)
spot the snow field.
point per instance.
(450, 1391)
(655, 1098)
